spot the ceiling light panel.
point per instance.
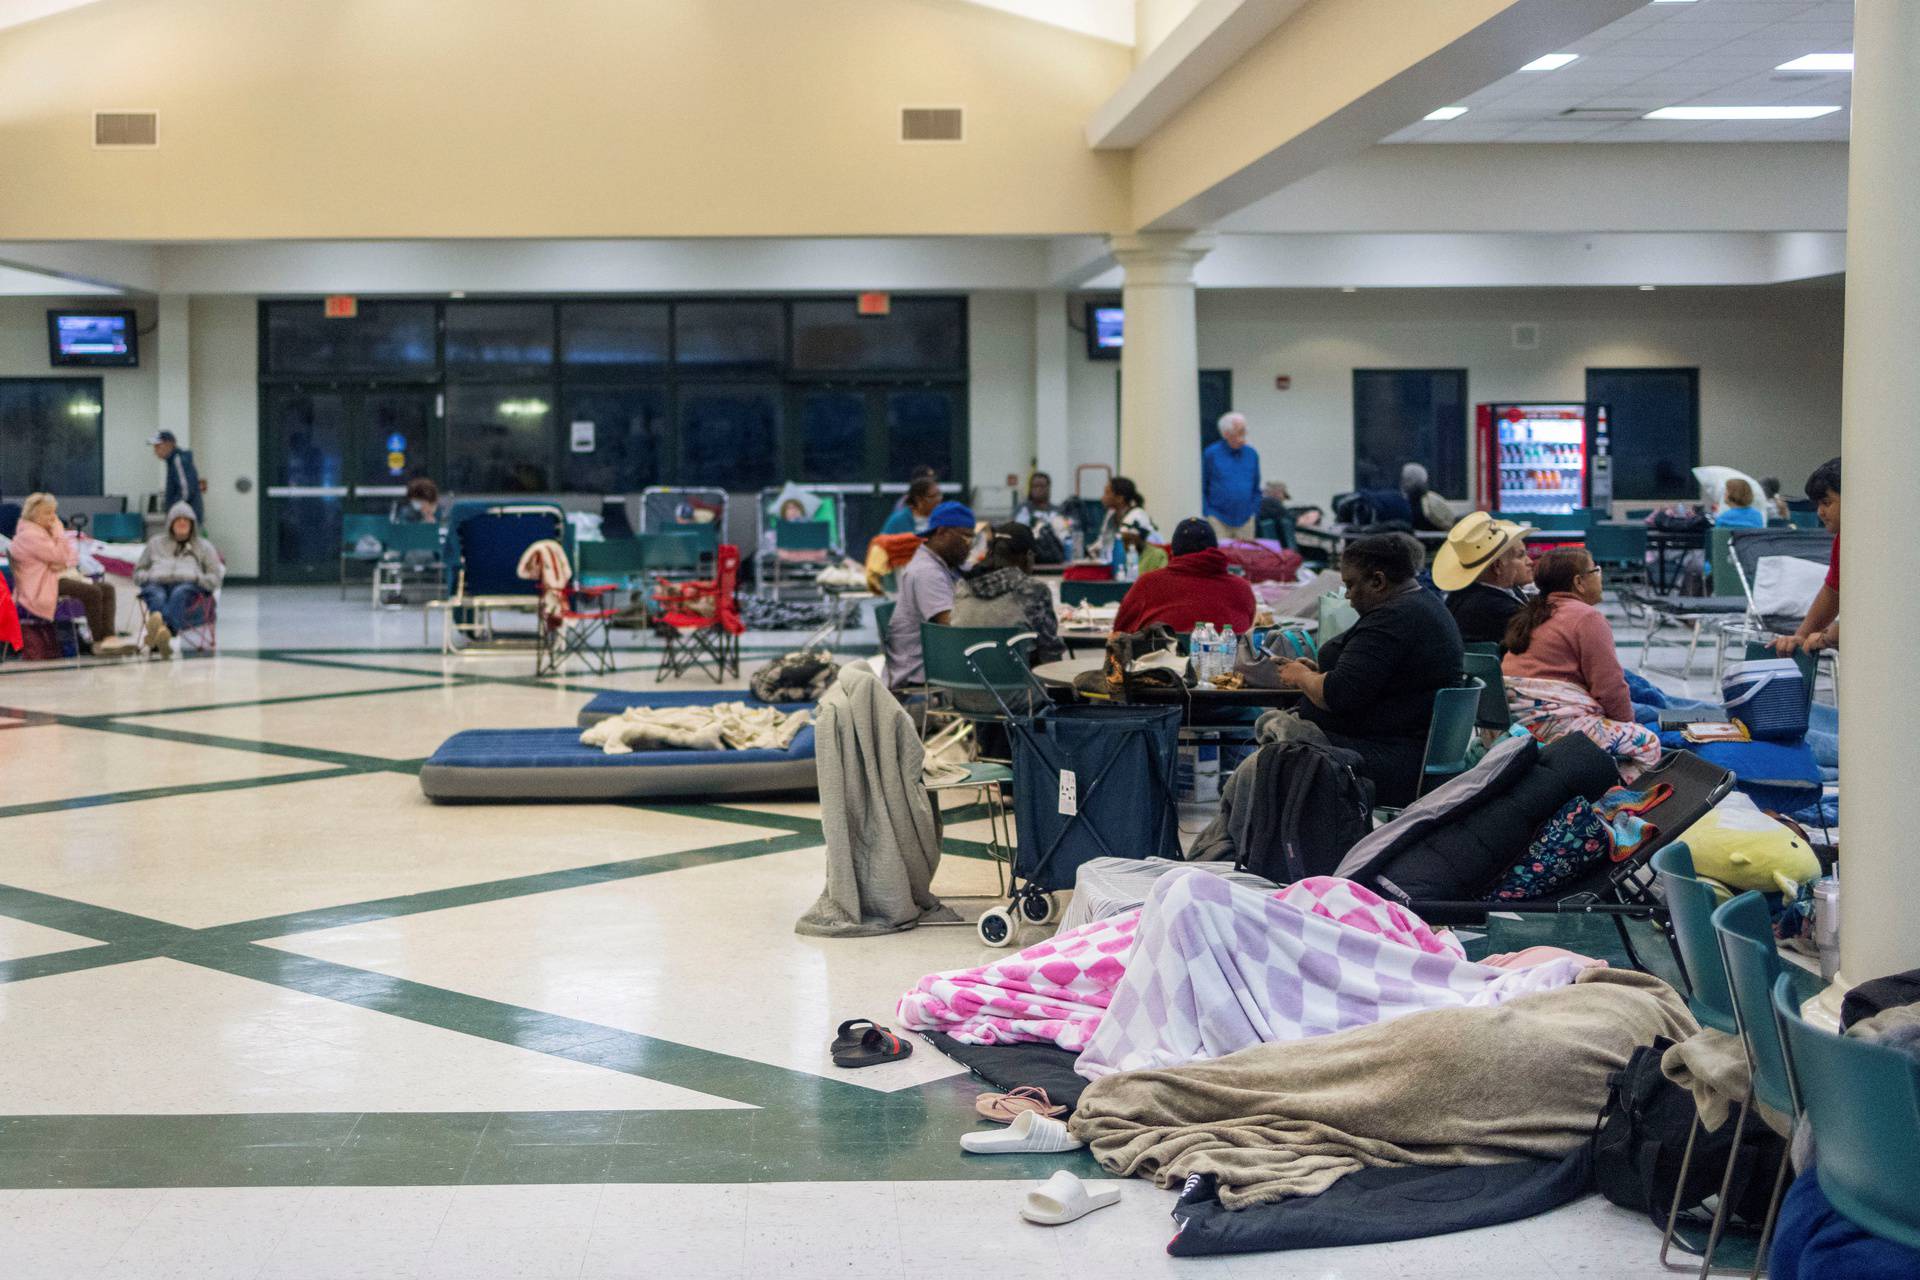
(1819, 62)
(1551, 62)
(1741, 113)
(1445, 113)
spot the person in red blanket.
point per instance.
(1195, 587)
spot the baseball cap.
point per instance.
(162, 437)
(951, 515)
(1191, 535)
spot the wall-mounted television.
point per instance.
(94, 339)
(1105, 330)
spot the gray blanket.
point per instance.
(883, 837)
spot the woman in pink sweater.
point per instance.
(1561, 671)
(42, 552)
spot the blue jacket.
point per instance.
(1229, 483)
(183, 483)
(1740, 518)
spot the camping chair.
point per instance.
(624, 564)
(1863, 1101)
(700, 621)
(413, 551)
(488, 545)
(1620, 549)
(1744, 927)
(1096, 594)
(354, 531)
(798, 543)
(670, 508)
(1450, 733)
(1745, 550)
(1693, 613)
(576, 621)
(1495, 714)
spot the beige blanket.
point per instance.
(723, 726)
(1712, 1066)
(1448, 1087)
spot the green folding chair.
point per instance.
(1494, 713)
(622, 563)
(1456, 712)
(354, 529)
(1863, 1101)
(954, 688)
(1097, 594)
(883, 622)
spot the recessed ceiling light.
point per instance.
(1740, 113)
(1819, 62)
(1445, 113)
(1550, 62)
(1646, 288)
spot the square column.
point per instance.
(1160, 371)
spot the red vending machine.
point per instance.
(1542, 459)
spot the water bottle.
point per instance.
(1201, 647)
(1826, 925)
(1133, 563)
(1117, 557)
(1226, 649)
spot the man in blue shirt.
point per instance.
(1230, 481)
(183, 478)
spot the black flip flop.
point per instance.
(876, 1046)
(849, 1034)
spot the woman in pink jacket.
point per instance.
(41, 554)
(1561, 670)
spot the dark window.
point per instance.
(729, 337)
(729, 437)
(613, 337)
(624, 430)
(833, 436)
(50, 436)
(393, 338)
(1410, 415)
(922, 429)
(1216, 401)
(918, 335)
(1654, 418)
(500, 439)
(499, 339)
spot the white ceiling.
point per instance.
(15, 12)
(1707, 53)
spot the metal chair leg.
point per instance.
(1721, 1210)
(1679, 1189)
(1773, 1212)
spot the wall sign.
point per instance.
(582, 437)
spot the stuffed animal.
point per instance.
(1737, 847)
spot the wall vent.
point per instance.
(933, 124)
(126, 128)
(1526, 337)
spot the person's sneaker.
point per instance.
(159, 639)
(114, 647)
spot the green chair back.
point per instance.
(614, 558)
(1456, 712)
(1579, 520)
(1726, 578)
(1336, 616)
(1863, 1100)
(1618, 546)
(422, 535)
(802, 535)
(1745, 929)
(677, 552)
(1690, 905)
(944, 650)
(1805, 519)
(883, 621)
(1093, 593)
(355, 527)
(1485, 647)
(1494, 713)
(118, 526)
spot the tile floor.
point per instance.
(267, 1013)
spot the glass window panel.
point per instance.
(395, 431)
(1653, 416)
(833, 436)
(50, 432)
(729, 437)
(499, 339)
(921, 431)
(500, 439)
(309, 438)
(729, 337)
(628, 439)
(613, 336)
(395, 338)
(919, 334)
(1410, 415)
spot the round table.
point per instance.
(1059, 676)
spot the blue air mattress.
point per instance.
(613, 702)
(551, 764)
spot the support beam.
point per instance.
(1160, 371)
(1051, 351)
(173, 408)
(1331, 80)
(1878, 699)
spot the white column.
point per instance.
(174, 340)
(1051, 450)
(1879, 701)
(1160, 371)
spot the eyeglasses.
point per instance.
(1586, 572)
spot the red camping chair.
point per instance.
(570, 627)
(699, 622)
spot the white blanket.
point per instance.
(723, 726)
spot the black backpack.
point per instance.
(1642, 1136)
(1311, 807)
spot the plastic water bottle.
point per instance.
(1226, 649)
(1201, 648)
(1117, 557)
(1133, 563)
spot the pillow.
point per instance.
(1741, 848)
(1784, 586)
(1573, 840)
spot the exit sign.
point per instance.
(874, 304)
(342, 306)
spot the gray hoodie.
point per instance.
(166, 561)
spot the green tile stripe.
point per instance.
(163, 793)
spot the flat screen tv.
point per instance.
(1105, 325)
(96, 339)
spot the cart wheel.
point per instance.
(996, 927)
(1036, 907)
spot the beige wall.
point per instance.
(127, 464)
(460, 118)
(1769, 363)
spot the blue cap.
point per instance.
(951, 515)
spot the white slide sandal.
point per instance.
(1064, 1198)
(1030, 1132)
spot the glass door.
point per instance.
(329, 451)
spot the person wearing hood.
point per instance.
(178, 569)
(44, 555)
(1002, 592)
(1195, 587)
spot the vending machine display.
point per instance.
(1537, 459)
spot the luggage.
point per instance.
(1769, 696)
(1312, 806)
(800, 676)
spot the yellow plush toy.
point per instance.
(1737, 847)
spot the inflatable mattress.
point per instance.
(551, 764)
(612, 703)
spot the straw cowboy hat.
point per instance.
(1471, 546)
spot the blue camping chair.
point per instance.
(487, 548)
